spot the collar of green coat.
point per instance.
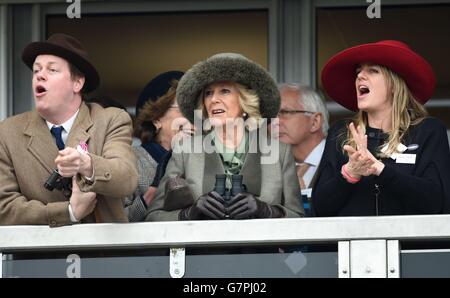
(251, 169)
(232, 159)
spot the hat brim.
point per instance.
(157, 87)
(339, 73)
(235, 68)
(34, 49)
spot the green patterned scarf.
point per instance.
(232, 159)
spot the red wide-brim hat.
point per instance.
(339, 73)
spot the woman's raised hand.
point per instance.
(361, 162)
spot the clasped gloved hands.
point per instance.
(241, 206)
(246, 205)
(207, 206)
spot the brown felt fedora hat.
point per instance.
(68, 48)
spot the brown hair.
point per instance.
(153, 110)
(76, 73)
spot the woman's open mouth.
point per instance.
(362, 91)
(218, 112)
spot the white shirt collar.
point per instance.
(67, 126)
(315, 155)
(313, 159)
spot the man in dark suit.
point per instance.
(302, 122)
(88, 145)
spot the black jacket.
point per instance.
(420, 188)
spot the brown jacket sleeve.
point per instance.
(115, 171)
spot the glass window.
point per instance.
(131, 49)
(425, 28)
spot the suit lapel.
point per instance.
(314, 178)
(79, 131)
(41, 145)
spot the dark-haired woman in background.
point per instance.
(158, 121)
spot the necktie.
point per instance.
(301, 170)
(57, 133)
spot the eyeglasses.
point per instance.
(290, 113)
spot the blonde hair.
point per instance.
(248, 100)
(406, 111)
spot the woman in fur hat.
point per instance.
(228, 89)
(392, 159)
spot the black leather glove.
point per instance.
(208, 206)
(246, 205)
(178, 194)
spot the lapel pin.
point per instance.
(413, 147)
(83, 148)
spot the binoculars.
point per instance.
(60, 183)
(236, 186)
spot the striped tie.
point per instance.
(301, 170)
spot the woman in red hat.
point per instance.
(391, 159)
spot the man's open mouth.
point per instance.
(40, 90)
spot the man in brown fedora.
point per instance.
(86, 147)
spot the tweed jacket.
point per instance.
(135, 208)
(27, 158)
(275, 183)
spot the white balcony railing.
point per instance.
(368, 246)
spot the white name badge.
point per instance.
(307, 192)
(406, 158)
